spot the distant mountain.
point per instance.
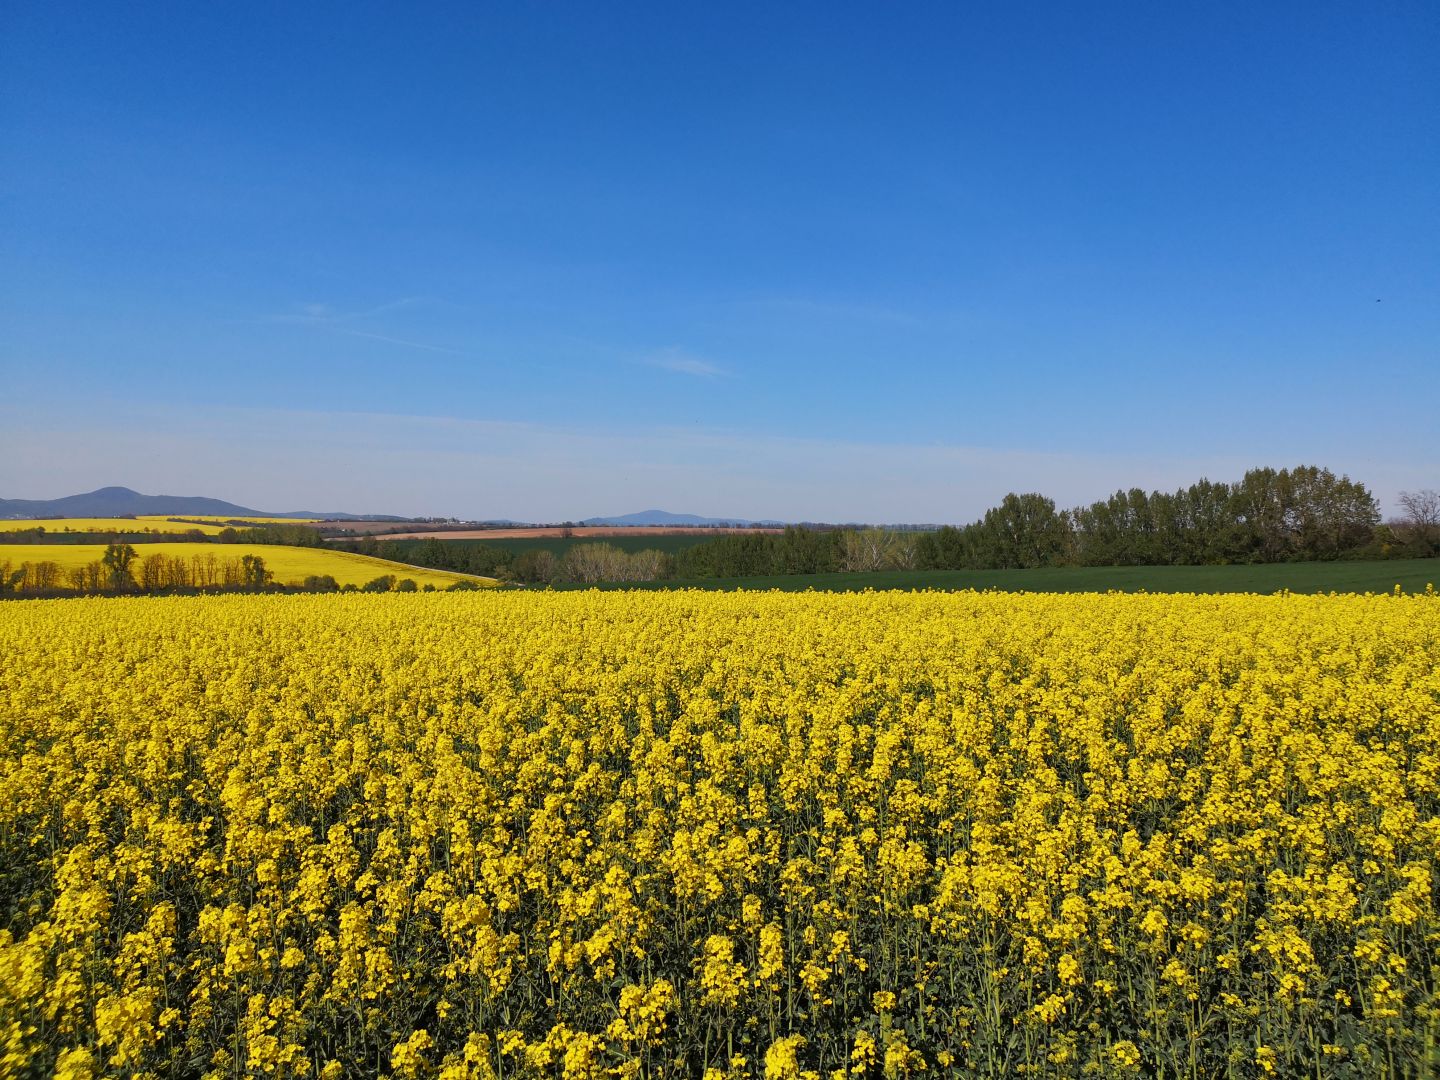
(122, 502)
(664, 517)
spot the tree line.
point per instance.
(1269, 515)
(122, 569)
(587, 563)
(286, 535)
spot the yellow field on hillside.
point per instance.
(289, 564)
(101, 524)
(713, 835)
(223, 518)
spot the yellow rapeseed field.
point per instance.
(109, 525)
(290, 565)
(224, 518)
(210, 525)
(720, 835)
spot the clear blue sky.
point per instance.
(869, 262)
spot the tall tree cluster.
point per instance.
(1270, 515)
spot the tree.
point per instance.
(253, 574)
(1422, 515)
(650, 565)
(434, 553)
(1024, 531)
(590, 563)
(1325, 514)
(865, 549)
(1259, 509)
(533, 566)
(383, 583)
(117, 560)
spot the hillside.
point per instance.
(290, 565)
(109, 502)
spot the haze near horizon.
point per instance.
(825, 262)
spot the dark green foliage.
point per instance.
(1269, 516)
(795, 551)
(253, 573)
(531, 566)
(283, 535)
(40, 535)
(321, 583)
(117, 560)
(383, 583)
(1023, 531)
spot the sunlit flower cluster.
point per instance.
(719, 835)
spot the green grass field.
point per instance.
(1412, 575)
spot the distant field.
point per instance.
(1412, 575)
(583, 532)
(108, 525)
(290, 565)
(153, 523)
(365, 526)
(223, 518)
(558, 546)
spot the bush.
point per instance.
(383, 583)
(406, 585)
(321, 583)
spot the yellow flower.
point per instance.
(1126, 1054)
(781, 1062)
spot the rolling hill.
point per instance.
(290, 565)
(110, 502)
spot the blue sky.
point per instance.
(841, 261)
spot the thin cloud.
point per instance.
(684, 363)
(399, 341)
(325, 317)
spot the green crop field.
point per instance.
(1412, 575)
